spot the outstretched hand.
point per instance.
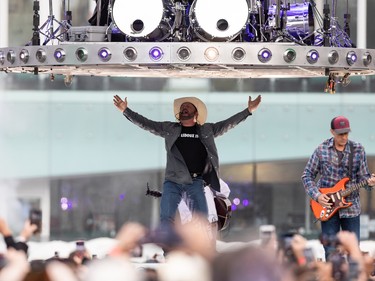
(253, 104)
(120, 103)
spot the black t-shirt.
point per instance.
(192, 149)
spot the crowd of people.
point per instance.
(189, 255)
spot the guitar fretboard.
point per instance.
(353, 188)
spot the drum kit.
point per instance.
(213, 21)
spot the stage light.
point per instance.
(351, 57)
(24, 56)
(104, 54)
(211, 54)
(238, 54)
(183, 53)
(130, 54)
(82, 54)
(290, 55)
(333, 57)
(312, 56)
(59, 55)
(11, 56)
(156, 53)
(264, 55)
(41, 55)
(367, 59)
(2, 57)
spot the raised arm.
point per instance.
(253, 104)
(120, 103)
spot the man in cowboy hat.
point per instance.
(192, 157)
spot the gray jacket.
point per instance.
(176, 169)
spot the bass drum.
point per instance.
(299, 21)
(143, 19)
(219, 20)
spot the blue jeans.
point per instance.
(332, 227)
(172, 195)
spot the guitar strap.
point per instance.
(351, 155)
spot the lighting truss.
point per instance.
(187, 59)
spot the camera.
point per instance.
(35, 217)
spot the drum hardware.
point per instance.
(35, 41)
(47, 29)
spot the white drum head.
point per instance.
(137, 18)
(221, 18)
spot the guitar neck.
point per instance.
(353, 188)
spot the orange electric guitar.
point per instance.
(337, 196)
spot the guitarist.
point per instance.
(334, 159)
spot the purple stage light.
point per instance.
(351, 57)
(104, 54)
(312, 56)
(264, 55)
(59, 55)
(245, 202)
(156, 53)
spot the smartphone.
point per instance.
(266, 232)
(35, 217)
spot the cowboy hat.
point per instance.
(199, 105)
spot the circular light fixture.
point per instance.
(82, 54)
(41, 55)
(333, 57)
(367, 59)
(351, 57)
(264, 55)
(130, 53)
(59, 55)
(104, 54)
(11, 56)
(2, 57)
(238, 54)
(290, 55)
(312, 56)
(156, 53)
(183, 53)
(211, 54)
(24, 56)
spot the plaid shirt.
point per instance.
(325, 162)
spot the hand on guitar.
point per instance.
(323, 200)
